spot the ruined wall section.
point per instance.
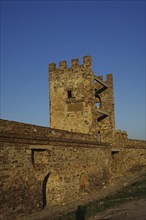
(140, 144)
(71, 96)
(121, 140)
(128, 161)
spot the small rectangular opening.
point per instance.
(114, 153)
(39, 156)
(69, 93)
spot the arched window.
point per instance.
(98, 102)
(99, 136)
(84, 183)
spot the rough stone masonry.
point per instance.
(79, 155)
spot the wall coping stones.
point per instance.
(11, 131)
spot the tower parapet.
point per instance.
(87, 62)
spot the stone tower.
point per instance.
(80, 101)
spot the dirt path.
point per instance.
(132, 210)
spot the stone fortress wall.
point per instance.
(45, 167)
(42, 167)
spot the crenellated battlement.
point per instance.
(52, 67)
(62, 65)
(87, 62)
(75, 62)
(109, 78)
(100, 77)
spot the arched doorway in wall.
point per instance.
(84, 183)
(51, 189)
(44, 196)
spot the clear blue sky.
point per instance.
(35, 33)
